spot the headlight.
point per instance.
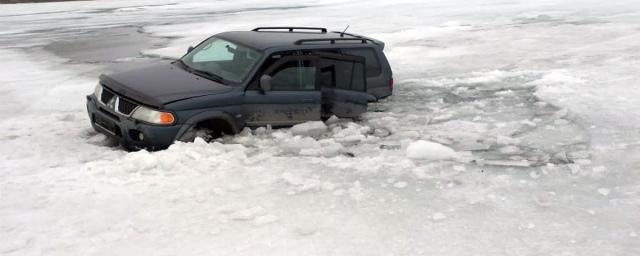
(98, 91)
(152, 116)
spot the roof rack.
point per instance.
(322, 30)
(332, 40)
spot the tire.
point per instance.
(194, 132)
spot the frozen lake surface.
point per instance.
(514, 129)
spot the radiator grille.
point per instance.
(116, 103)
(106, 96)
(125, 106)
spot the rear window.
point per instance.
(371, 60)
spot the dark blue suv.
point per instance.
(277, 76)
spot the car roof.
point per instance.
(262, 40)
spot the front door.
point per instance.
(294, 97)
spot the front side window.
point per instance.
(295, 75)
(221, 58)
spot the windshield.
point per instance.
(221, 58)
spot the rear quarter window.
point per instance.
(371, 60)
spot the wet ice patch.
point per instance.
(492, 114)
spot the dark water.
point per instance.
(117, 49)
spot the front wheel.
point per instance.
(194, 132)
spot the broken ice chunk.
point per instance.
(438, 216)
(560, 122)
(575, 169)
(534, 174)
(510, 150)
(527, 122)
(505, 140)
(515, 163)
(400, 184)
(429, 151)
(599, 169)
(604, 191)
(246, 214)
(314, 128)
(543, 199)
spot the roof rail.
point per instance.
(342, 34)
(322, 30)
(332, 40)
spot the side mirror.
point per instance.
(229, 49)
(265, 83)
(190, 49)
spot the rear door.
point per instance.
(294, 97)
(343, 82)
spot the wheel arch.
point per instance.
(209, 115)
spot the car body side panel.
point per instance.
(344, 103)
(225, 100)
(281, 108)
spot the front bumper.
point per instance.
(128, 130)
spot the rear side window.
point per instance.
(341, 74)
(371, 60)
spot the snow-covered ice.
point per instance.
(513, 130)
(438, 216)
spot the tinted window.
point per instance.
(294, 75)
(327, 77)
(371, 60)
(341, 74)
(358, 81)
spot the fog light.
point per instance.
(136, 135)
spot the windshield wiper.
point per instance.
(209, 75)
(205, 74)
(184, 65)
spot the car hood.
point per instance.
(161, 84)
